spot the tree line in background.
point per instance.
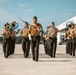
(18, 40)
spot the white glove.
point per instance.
(38, 29)
(30, 37)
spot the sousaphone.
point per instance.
(69, 23)
(14, 24)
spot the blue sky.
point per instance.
(46, 10)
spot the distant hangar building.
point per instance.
(62, 28)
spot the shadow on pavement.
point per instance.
(62, 60)
(42, 55)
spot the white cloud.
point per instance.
(29, 10)
(22, 5)
(5, 1)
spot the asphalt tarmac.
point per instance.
(16, 64)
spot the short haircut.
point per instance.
(34, 17)
(53, 23)
(47, 26)
(6, 24)
(27, 22)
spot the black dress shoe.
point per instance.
(73, 55)
(25, 55)
(33, 59)
(36, 59)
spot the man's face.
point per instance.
(72, 26)
(75, 26)
(25, 25)
(35, 20)
(52, 25)
(47, 28)
(4, 27)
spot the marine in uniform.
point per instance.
(68, 42)
(34, 32)
(70, 45)
(13, 35)
(53, 39)
(25, 40)
(13, 25)
(46, 41)
(72, 42)
(6, 40)
(74, 39)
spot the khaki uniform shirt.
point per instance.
(70, 34)
(13, 35)
(71, 31)
(24, 32)
(75, 33)
(6, 33)
(53, 32)
(35, 31)
(67, 35)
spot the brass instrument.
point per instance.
(8, 27)
(68, 24)
(14, 24)
(34, 29)
(45, 37)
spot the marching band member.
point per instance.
(46, 41)
(13, 36)
(35, 30)
(53, 39)
(68, 44)
(74, 40)
(25, 40)
(14, 25)
(6, 40)
(72, 35)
